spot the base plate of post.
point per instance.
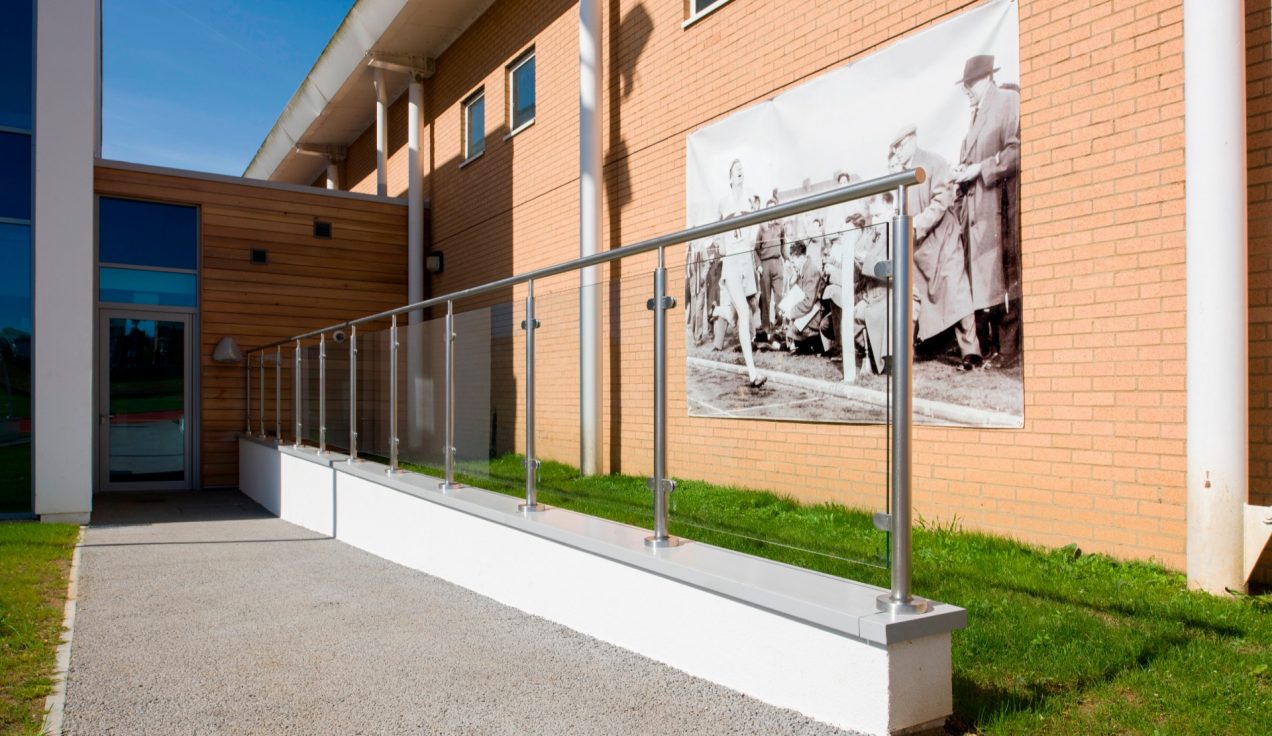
(662, 542)
(450, 486)
(531, 507)
(915, 605)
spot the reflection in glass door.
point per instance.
(145, 395)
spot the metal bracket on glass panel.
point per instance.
(537, 324)
(532, 468)
(883, 270)
(669, 302)
(668, 485)
(883, 521)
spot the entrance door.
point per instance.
(146, 398)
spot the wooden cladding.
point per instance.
(306, 283)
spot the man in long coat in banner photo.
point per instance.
(988, 177)
(941, 287)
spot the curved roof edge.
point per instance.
(365, 23)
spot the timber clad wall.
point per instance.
(1100, 460)
(307, 283)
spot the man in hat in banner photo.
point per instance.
(987, 177)
(941, 286)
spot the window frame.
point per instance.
(510, 72)
(693, 16)
(466, 125)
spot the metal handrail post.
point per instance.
(660, 484)
(278, 393)
(449, 482)
(296, 399)
(900, 600)
(532, 463)
(247, 380)
(322, 394)
(353, 394)
(261, 360)
(393, 400)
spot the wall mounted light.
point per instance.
(227, 351)
(434, 262)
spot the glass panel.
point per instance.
(476, 126)
(16, 62)
(523, 93)
(309, 381)
(15, 369)
(147, 400)
(131, 286)
(15, 176)
(373, 393)
(147, 233)
(421, 413)
(804, 289)
(337, 394)
(486, 406)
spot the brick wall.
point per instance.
(1100, 460)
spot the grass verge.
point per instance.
(35, 560)
(1060, 642)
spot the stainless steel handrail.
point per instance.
(900, 600)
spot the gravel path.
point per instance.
(201, 614)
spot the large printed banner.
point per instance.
(790, 319)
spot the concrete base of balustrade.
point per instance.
(787, 636)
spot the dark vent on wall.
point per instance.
(322, 229)
(260, 255)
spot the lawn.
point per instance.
(1060, 642)
(34, 563)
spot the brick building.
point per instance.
(1101, 459)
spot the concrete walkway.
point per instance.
(199, 613)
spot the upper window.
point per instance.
(135, 233)
(695, 9)
(16, 64)
(521, 91)
(475, 125)
(15, 175)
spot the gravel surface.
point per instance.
(201, 614)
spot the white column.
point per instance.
(415, 197)
(381, 134)
(1218, 381)
(590, 235)
(333, 173)
(66, 138)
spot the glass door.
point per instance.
(145, 440)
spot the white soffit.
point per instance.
(336, 101)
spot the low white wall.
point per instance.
(897, 682)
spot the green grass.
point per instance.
(34, 563)
(1059, 642)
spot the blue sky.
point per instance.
(196, 84)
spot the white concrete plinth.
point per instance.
(787, 636)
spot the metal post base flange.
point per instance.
(531, 508)
(662, 542)
(914, 606)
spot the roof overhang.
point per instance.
(336, 101)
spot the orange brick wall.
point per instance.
(1100, 460)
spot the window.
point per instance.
(15, 369)
(474, 125)
(15, 176)
(521, 92)
(695, 9)
(138, 286)
(155, 234)
(16, 62)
